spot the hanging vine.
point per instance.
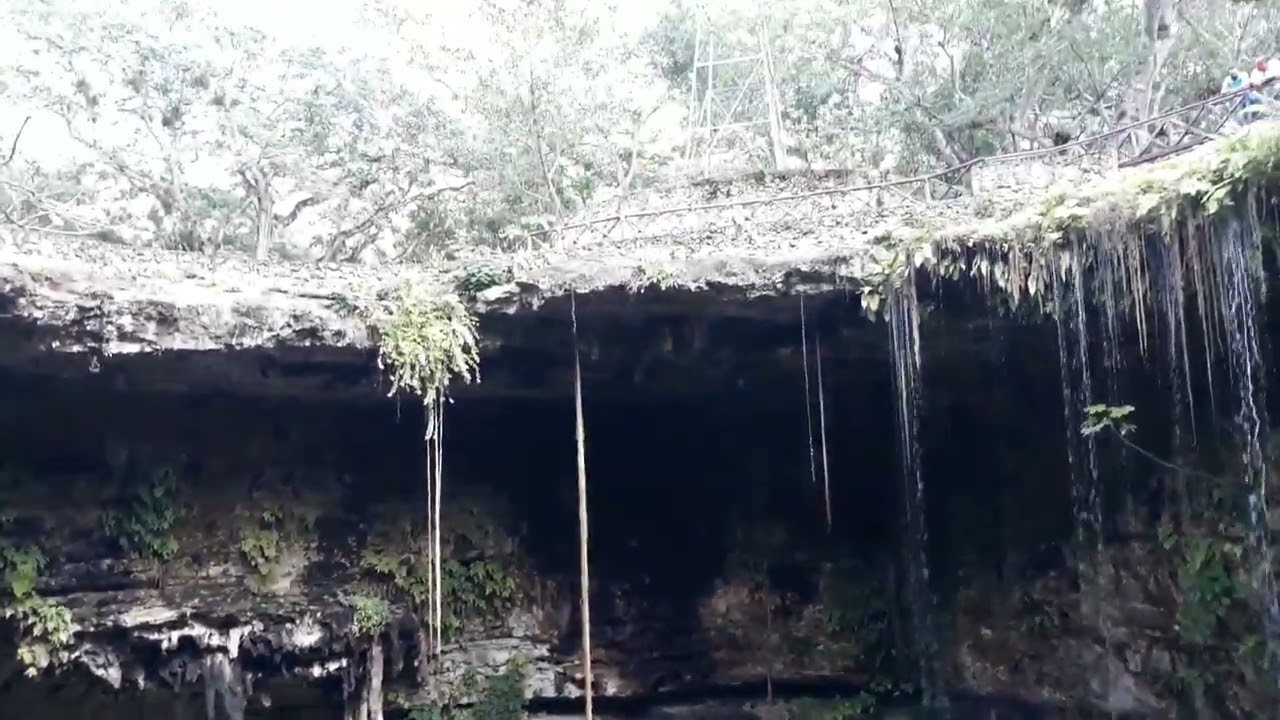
(822, 412)
(426, 340)
(822, 429)
(808, 406)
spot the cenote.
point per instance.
(1014, 482)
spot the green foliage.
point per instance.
(480, 278)
(426, 341)
(497, 697)
(227, 137)
(1103, 417)
(1206, 588)
(144, 527)
(40, 621)
(857, 608)
(651, 276)
(407, 572)
(1240, 159)
(371, 614)
(474, 590)
(261, 548)
(273, 526)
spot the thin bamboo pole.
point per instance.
(583, 556)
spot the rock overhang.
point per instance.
(184, 321)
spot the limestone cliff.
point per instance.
(208, 495)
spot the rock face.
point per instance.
(263, 547)
(207, 501)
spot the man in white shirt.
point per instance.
(1263, 70)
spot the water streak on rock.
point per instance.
(904, 326)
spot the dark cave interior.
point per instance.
(696, 441)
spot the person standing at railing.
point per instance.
(1256, 103)
(1234, 82)
(1263, 70)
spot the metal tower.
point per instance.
(732, 92)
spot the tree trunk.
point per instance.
(257, 183)
(264, 223)
(1158, 33)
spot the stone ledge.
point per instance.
(76, 294)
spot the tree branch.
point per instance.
(13, 148)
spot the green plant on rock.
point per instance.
(498, 697)
(273, 526)
(1207, 589)
(371, 614)
(856, 608)
(503, 695)
(651, 276)
(144, 527)
(406, 572)
(479, 589)
(425, 340)
(261, 549)
(40, 621)
(479, 278)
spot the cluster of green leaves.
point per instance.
(405, 571)
(498, 697)
(1207, 588)
(260, 547)
(370, 614)
(474, 590)
(272, 526)
(425, 341)
(857, 608)
(144, 526)
(1107, 417)
(479, 278)
(39, 620)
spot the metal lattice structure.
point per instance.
(733, 94)
(938, 195)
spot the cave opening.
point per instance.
(707, 491)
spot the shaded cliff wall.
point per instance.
(172, 514)
(273, 533)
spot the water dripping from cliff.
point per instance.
(1117, 286)
(1070, 312)
(904, 326)
(1237, 244)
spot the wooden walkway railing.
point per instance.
(1155, 138)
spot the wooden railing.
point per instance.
(1133, 144)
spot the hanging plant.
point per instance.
(426, 340)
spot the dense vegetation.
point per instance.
(174, 123)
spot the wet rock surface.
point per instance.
(761, 593)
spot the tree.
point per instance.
(228, 131)
(194, 133)
(561, 103)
